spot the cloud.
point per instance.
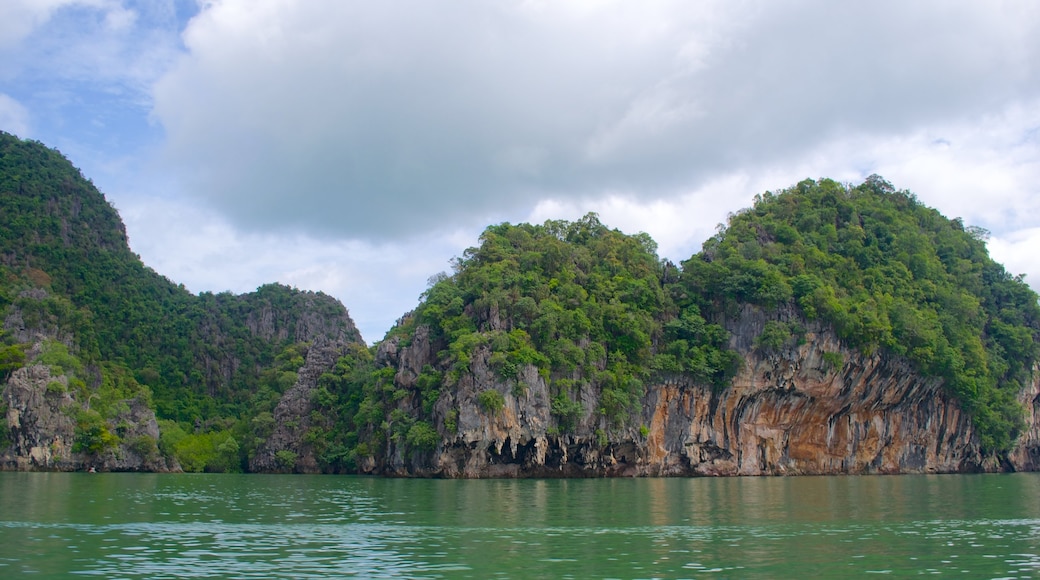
(381, 120)
(1017, 251)
(66, 55)
(19, 18)
(82, 71)
(355, 147)
(14, 118)
(197, 248)
(986, 171)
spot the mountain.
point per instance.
(827, 329)
(80, 310)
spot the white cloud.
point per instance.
(14, 117)
(355, 147)
(377, 120)
(194, 247)
(679, 225)
(19, 18)
(79, 46)
(1018, 252)
(985, 170)
(392, 121)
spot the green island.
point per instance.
(565, 347)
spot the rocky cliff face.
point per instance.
(41, 409)
(810, 407)
(287, 450)
(273, 314)
(1026, 455)
(40, 432)
(41, 429)
(307, 316)
(47, 327)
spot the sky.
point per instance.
(357, 147)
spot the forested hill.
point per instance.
(68, 275)
(827, 329)
(604, 322)
(887, 273)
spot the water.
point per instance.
(166, 526)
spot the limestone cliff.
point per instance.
(42, 432)
(46, 405)
(301, 316)
(287, 449)
(810, 407)
(561, 349)
(1026, 455)
(272, 315)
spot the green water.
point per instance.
(148, 525)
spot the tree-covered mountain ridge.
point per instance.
(106, 335)
(829, 328)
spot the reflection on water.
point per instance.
(148, 525)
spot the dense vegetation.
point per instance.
(588, 308)
(888, 273)
(593, 308)
(205, 362)
(587, 305)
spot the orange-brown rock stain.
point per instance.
(789, 411)
(657, 451)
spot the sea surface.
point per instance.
(114, 525)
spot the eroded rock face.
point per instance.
(293, 415)
(310, 315)
(790, 413)
(41, 429)
(796, 410)
(15, 327)
(1026, 456)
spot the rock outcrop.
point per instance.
(813, 407)
(41, 429)
(304, 317)
(41, 408)
(1026, 455)
(286, 450)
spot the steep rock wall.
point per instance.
(41, 429)
(1026, 455)
(38, 428)
(793, 410)
(306, 316)
(40, 432)
(286, 449)
(272, 314)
